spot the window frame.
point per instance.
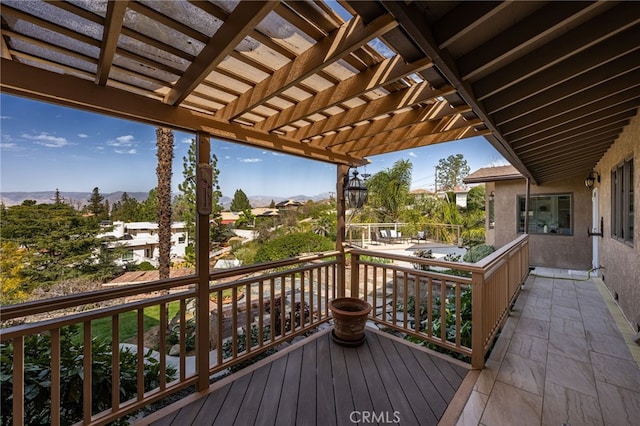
(623, 202)
(520, 197)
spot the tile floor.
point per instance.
(565, 357)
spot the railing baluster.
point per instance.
(219, 338)
(302, 299)
(140, 355)
(115, 362)
(87, 393)
(405, 301)
(55, 377)
(272, 308)
(458, 315)
(260, 313)
(234, 321)
(183, 339)
(247, 298)
(18, 381)
(164, 323)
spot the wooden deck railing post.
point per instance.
(477, 321)
(355, 276)
(203, 210)
(342, 172)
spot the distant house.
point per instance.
(140, 240)
(229, 218)
(288, 205)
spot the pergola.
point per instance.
(549, 84)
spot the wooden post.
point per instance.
(526, 205)
(477, 321)
(342, 171)
(203, 211)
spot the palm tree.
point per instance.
(164, 142)
(389, 190)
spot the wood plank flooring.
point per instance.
(319, 382)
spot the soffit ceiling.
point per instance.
(550, 84)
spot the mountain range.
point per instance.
(79, 199)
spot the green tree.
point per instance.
(164, 141)
(96, 205)
(389, 190)
(148, 209)
(62, 242)
(475, 198)
(240, 202)
(125, 210)
(451, 171)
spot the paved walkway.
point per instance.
(565, 357)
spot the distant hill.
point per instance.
(79, 199)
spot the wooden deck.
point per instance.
(317, 382)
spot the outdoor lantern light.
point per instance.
(355, 192)
(590, 181)
(492, 196)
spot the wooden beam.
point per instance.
(34, 83)
(418, 141)
(5, 48)
(110, 34)
(421, 114)
(419, 93)
(383, 73)
(340, 43)
(409, 134)
(413, 22)
(242, 20)
(619, 18)
(593, 136)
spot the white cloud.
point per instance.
(83, 135)
(5, 117)
(124, 151)
(47, 140)
(497, 163)
(126, 141)
(250, 160)
(8, 145)
(186, 140)
(413, 154)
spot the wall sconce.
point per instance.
(492, 196)
(355, 192)
(591, 180)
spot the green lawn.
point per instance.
(101, 328)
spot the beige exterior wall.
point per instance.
(621, 261)
(550, 250)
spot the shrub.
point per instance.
(475, 253)
(292, 245)
(37, 371)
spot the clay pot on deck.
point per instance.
(349, 320)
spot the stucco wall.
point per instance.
(550, 250)
(621, 261)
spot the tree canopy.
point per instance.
(240, 202)
(389, 190)
(451, 171)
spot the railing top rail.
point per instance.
(495, 257)
(53, 323)
(260, 267)
(35, 307)
(461, 266)
(394, 224)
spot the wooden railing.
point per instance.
(458, 313)
(268, 304)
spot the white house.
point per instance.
(141, 241)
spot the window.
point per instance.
(622, 202)
(127, 256)
(548, 214)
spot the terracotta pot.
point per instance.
(349, 320)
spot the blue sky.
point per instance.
(44, 147)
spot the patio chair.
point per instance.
(421, 236)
